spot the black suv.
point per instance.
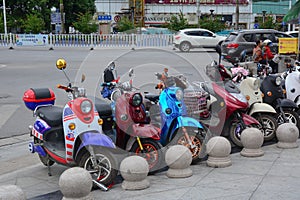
(238, 46)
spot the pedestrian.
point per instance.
(268, 55)
(257, 53)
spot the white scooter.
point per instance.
(292, 85)
(262, 112)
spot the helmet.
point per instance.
(267, 42)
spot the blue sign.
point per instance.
(104, 17)
(256, 26)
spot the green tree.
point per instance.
(33, 23)
(125, 24)
(268, 23)
(178, 22)
(85, 23)
(17, 9)
(1, 23)
(213, 24)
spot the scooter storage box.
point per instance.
(38, 96)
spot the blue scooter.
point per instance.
(176, 127)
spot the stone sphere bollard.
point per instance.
(252, 140)
(134, 170)
(287, 135)
(11, 192)
(179, 159)
(76, 183)
(218, 149)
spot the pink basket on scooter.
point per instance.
(196, 103)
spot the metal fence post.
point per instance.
(92, 42)
(10, 41)
(50, 44)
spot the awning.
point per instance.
(292, 17)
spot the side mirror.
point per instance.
(130, 72)
(61, 64)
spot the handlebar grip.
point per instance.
(67, 89)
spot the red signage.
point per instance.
(194, 1)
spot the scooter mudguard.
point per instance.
(248, 120)
(95, 139)
(261, 108)
(287, 103)
(182, 121)
(146, 131)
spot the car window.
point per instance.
(206, 34)
(269, 36)
(294, 34)
(193, 33)
(231, 37)
(247, 37)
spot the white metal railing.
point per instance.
(97, 40)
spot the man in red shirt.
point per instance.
(268, 56)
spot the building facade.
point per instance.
(158, 12)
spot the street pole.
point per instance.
(198, 12)
(4, 18)
(237, 12)
(61, 8)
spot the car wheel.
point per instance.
(185, 47)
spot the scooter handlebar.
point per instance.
(66, 88)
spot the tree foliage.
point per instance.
(19, 10)
(33, 23)
(178, 22)
(125, 24)
(85, 23)
(212, 23)
(268, 23)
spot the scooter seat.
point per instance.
(103, 108)
(51, 114)
(152, 97)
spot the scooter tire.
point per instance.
(105, 177)
(236, 140)
(292, 116)
(197, 139)
(46, 160)
(154, 154)
(271, 124)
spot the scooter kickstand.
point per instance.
(101, 186)
(49, 171)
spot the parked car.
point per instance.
(238, 46)
(292, 33)
(187, 39)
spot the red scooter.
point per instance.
(132, 126)
(229, 106)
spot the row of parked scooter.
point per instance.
(96, 134)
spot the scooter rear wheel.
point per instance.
(153, 153)
(105, 170)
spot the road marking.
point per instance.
(2, 66)
(6, 111)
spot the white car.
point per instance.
(292, 33)
(187, 39)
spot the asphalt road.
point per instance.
(34, 67)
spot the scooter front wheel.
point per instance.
(235, 132)
(268, 125)
(197, 143)
(152, 152)
(104, 170)
(291, 116)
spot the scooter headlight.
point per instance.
(136, 100)
(86, 106)
(179, 94)
(278, 80)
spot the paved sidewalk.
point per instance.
(276, 175)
